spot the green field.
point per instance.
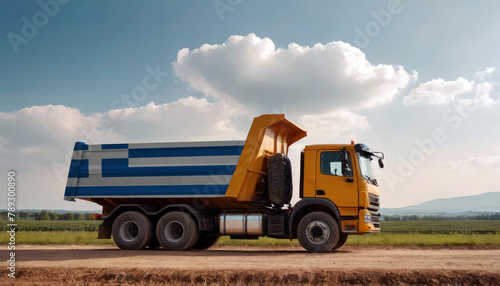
(442, 227)
(54, 225)
(418, 233)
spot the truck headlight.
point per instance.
(368, 218)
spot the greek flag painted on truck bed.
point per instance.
(190, 169)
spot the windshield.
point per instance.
(365, 166)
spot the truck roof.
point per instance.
(327, 146)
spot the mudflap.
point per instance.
(104, 231)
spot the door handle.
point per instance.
(320, 192)
(350, 180)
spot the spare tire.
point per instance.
(279, 179)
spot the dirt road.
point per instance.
(255, 265)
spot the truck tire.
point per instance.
(318, 232)
(177, 231)
(279, 179)
(207, 240)
(132, 230)
(342, 240)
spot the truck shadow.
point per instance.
(27, 255)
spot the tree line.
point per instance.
(50, 215)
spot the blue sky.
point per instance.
(90, 53)
(91, 48)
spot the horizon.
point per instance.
(382, 208)
(412, 80)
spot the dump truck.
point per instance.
(184, 195)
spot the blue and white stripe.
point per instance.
(185, 169)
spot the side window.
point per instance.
(331, 164)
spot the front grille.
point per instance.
(374, 202)
(373, 209)
(375, 219)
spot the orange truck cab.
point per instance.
(343, 175)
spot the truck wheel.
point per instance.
(342, 240)
(318, 232)
(207, 240)
(177, 231)
(132, 230)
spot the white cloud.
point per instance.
(331, 126)
(35, 137)
(474, 162)
(254, 72)
(37, 141)
(482, 76)
(42, 126)
(38, 129)
(439, 91)
(482, 94)
(185, 119)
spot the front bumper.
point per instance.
(368, 221)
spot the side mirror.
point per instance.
(344, 160)
(381, 163)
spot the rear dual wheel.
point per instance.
(174, 231)
(177, 231)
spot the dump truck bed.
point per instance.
(188, 169)
(220, 173)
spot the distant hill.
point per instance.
(468, 205)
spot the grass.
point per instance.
(389, 239)
(397, 239)
(442, 227)
(56, 237)
(395, 233)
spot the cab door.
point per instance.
(334, 184)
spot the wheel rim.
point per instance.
(174, 231)
(317, 232)
(129, 231)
